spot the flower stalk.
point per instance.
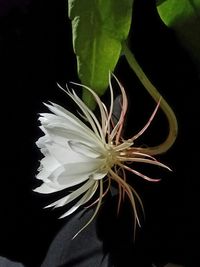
(170, 115)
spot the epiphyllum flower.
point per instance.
(91, 154)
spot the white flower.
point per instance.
(91, 154)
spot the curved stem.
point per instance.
(173, 125)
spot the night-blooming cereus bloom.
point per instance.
(89, 155)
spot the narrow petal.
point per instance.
(102, 108)
(92, 119)
(67, 121)
(109, 116)
(66, 115)
(87, 196)
(70, 197)
(116, 132)
(46, 189)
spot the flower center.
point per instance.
(110, 158)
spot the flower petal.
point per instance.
(85, 150)
(65, 119)
(46, 188)
(66, 154)
(71, 174)
(61, 136)
(76, 173)
(47, 165)
(70, 197)
(99, 175)
(86, 197)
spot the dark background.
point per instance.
(36, 53)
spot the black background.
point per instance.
(36, 53)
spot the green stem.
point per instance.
(173, 126)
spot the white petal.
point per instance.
(48, 120)
(62, 135)
(48, 164)
(45, 189)
(64, 154)
(87, 196)
(99, 175)
(76, 173)
(65, 118)
(71, 174)
(45, 174)
(87, 113)
(42, 141)
(67, 199)
(85, 150)
(62, 112)
(65, 167)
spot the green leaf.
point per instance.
(98, 28)
(184, 17)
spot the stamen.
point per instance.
(128, 191)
